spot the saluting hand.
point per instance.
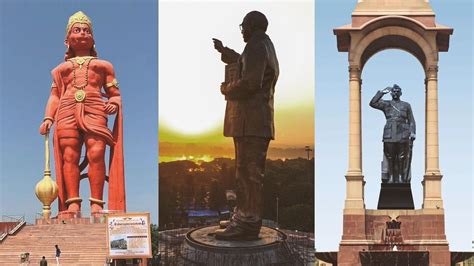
(387, 90)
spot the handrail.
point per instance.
(20, 222)
(3, 236)
(293, 253)
(14, 218)
(17, 227)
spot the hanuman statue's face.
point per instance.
(80, 37)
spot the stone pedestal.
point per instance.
(394, 258)
(395, 197)
(378, 25)
(376, 230)
(201, 248)
(69, 215)
(82, 220)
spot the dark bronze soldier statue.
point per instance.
(249, 121)
(398, 134)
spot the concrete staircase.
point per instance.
(80, 244)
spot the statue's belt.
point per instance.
(92, 102)
(81, 95)
(397, 119)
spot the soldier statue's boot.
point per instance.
(390, 181)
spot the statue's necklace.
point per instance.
(80, 94)
(81, 59)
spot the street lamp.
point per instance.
(308, 150)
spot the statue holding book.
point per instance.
(248, 90)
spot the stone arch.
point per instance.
(393, 37)
(393, 32)
(376, 27)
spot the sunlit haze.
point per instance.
(190, 69)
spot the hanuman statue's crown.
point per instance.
(78, 17)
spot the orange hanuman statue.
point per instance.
(79, 109)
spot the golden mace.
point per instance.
(46, 190)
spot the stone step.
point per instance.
(80, 244)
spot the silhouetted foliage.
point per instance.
(186, 185)
(298, 217)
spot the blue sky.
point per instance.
(382, 70)
(32, 36)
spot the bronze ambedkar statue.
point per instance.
(398, 134)
(249, 121)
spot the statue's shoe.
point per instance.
(235, 233)
(224, 223)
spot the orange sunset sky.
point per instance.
(191, 108)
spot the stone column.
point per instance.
(354, 177)
(432, 178)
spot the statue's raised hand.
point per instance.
(45, 127)
(218, 45)
(387, 90)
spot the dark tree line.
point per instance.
(186, 185)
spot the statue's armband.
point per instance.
(114, 83)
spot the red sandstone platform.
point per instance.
(418, 230)
(81, 243)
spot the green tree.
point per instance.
(216, 196)
(298, 217)
(154, 239)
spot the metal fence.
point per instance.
(299, 246)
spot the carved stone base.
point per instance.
(395, 197)
(419, 231)
(69, 215)
(394, 258)
(64, 220)
(200, 248)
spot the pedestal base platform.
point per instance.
(69, 215)
(394, 258)
(395, 197)
(200, 248)
(379, 231)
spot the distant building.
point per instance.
(202, 217)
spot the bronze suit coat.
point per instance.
(400, 121)
(249, 110)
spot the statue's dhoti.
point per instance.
(76, 118)
(250, 157)
(79, 117)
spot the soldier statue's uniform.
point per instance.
(398, 134)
